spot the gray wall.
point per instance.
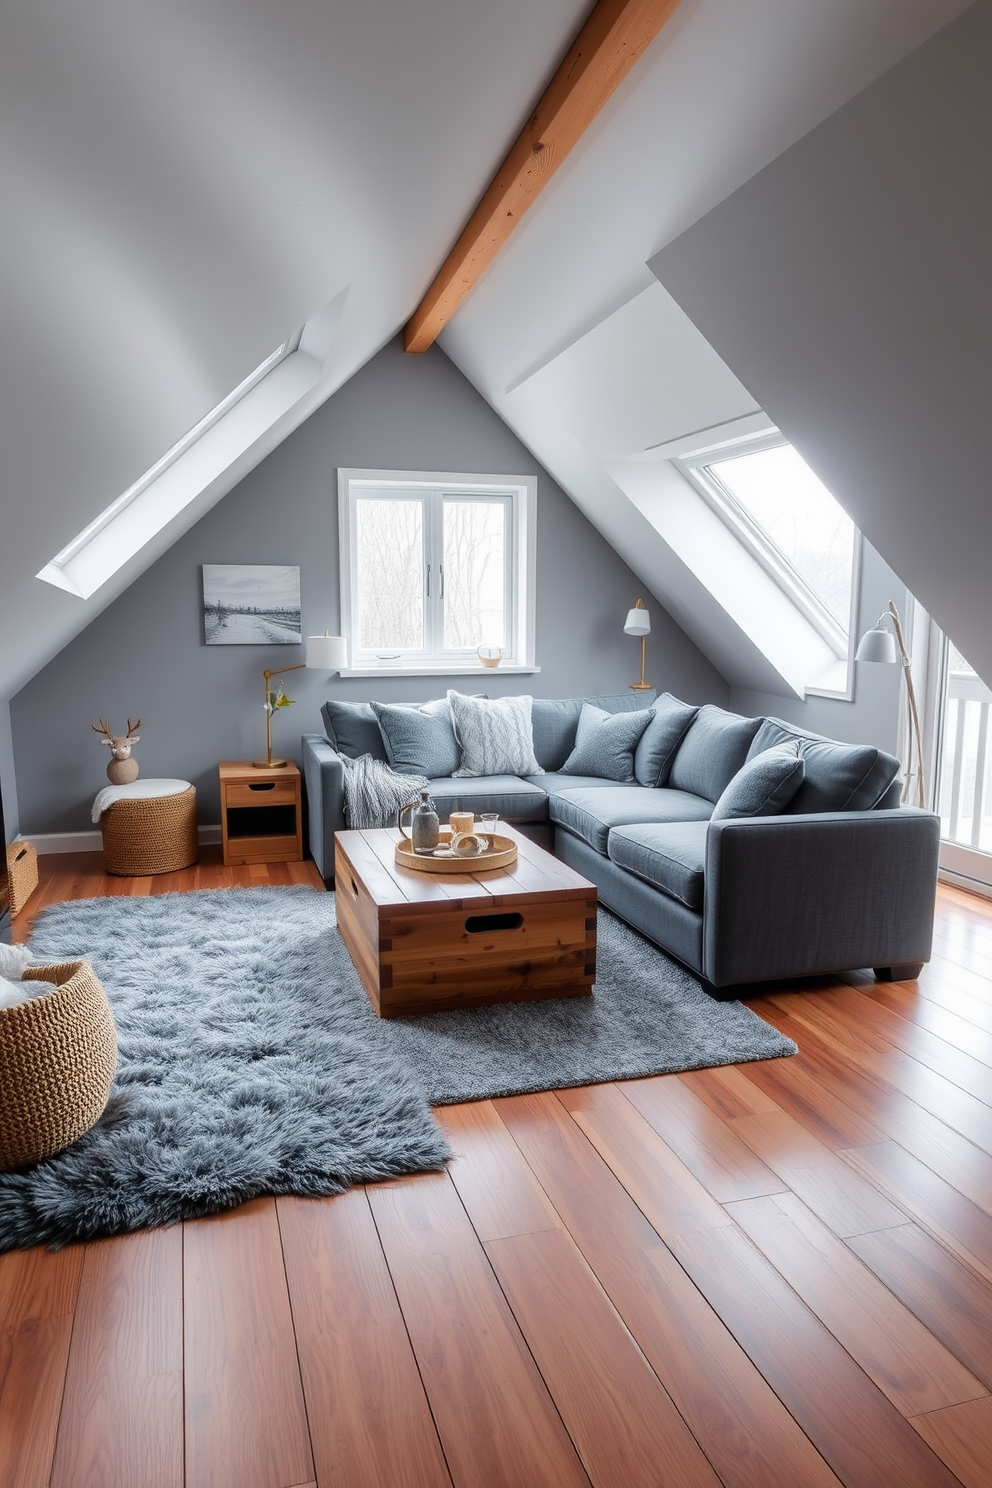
(848, 286)
(145, 655)
(8, 792)
(872, 717)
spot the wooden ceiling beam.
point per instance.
(606, 48)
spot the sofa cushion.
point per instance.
(516, 800)
(419, 741)
(670, 856)
(495, 735)
(839, 777)
(556, 720)
(670, 722)
(591, 813)
(605, 743)
(553, 781)
(353, 729)
(764, 785)
(712, 752)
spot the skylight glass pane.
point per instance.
(390, 552)
(799, 516)
(474, 574)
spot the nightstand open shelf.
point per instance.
(261, 819)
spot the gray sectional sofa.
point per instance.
(749, 850)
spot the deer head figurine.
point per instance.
(122, 769)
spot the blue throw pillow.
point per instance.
(419, 741)
(670, 722)
(353, 729)
(764, 786)
(605, 743)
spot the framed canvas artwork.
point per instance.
(251, 604)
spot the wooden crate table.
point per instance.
(426, 943)
(260, 815)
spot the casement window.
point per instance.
(433, 567)
(782, 512)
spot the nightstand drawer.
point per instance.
(265, 793)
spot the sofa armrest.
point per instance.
(323, 775)
(790, 896)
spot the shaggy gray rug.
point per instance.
(251, 1061)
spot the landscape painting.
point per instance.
(251, 604)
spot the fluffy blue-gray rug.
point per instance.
(251, 1061)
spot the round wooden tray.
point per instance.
(500, 856)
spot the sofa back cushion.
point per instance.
(555, 721)
(839, 777)
(764, 785)
(670, 722)
(605, 743)
(419, 741)
(712, 752)
(353, 729)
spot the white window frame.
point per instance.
(519, 493)
(693, 465)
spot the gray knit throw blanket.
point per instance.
(373, 793)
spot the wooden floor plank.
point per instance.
(849, 1420)
(122, 1417)
(713, 1153)
(751, 1440)
(245, 1416)
(497, 1423)
(915, 1371)
(962, 1437)
(945, 1294)
(499, 1191)
(956, 1221)
(38, 1290)
(370, 1422)
(614, 1407)
(817, 1174)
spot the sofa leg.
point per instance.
(908, 972)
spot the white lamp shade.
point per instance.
(638, 623)
(877, 645)
(327, 653)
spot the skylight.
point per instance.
(175, 480)
(790, 521)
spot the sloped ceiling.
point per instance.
(185, 185)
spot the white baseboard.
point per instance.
(80, 842)
(962, 881)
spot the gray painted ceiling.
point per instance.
(185, 185)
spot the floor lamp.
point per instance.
(325, 653)
(879, 645)
(638, 623)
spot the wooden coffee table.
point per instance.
(425, 943)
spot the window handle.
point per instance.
(440, 569)
(428, 581)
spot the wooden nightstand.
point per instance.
(260, 813)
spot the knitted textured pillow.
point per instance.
(496, 735)
(764, 786)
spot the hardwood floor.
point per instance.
(760, 1275)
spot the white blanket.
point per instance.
(138, 790)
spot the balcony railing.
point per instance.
(965, 788)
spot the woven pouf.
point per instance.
(151, 834)
(58, 1054)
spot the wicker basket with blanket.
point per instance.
(58, 1054)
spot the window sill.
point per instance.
(466, 669)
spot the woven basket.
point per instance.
(58, 1054)
(153, 835)
(22, 871)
